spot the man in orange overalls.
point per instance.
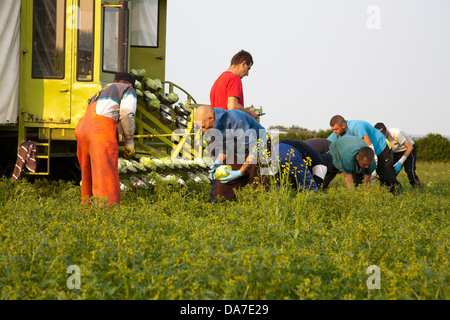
(97, 135)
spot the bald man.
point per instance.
(234, 141)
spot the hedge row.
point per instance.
(432, 148)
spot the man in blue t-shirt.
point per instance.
(375, 140)
(235, 138)
(355, 158)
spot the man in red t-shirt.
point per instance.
(227, 92)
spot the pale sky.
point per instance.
(380, 61)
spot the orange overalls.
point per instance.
(98, 151)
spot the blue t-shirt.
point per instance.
(235, 119)
(238, 130)
(344, 150)
(360, 128)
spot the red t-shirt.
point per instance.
(227, 85)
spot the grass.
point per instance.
(170, 243)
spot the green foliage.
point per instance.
(170, 243)
(323, 133)
(299, 133)
(433, 147)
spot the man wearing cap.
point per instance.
(355, 158)
(375, 140)
(302, 164)
(97, 133)
(404, 150)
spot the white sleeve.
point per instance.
(128, 103)
(401, 138)
(397, 135)
(320, 171)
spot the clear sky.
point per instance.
(380, 60)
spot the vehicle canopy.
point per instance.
(9, 61)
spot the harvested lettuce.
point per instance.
(173, 96)
(150, 95)
(220, 171)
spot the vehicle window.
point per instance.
(110, 39)
(48, 49)
(85, 45)
(144, 23)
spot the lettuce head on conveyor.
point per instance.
(154, 84)
(173, 97)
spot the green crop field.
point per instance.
(170, 243)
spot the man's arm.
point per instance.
(348, 178)
(220, 157)
(409, 148)
(233, 103)
(126, 118)
(399, 164)
(367, 179)
(367, 140)
(370, 144)
(248, 161)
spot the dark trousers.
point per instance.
(409, 166)
(385, 170)
(329, 176)
(357, 179)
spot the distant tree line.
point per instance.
(299, 133)
(432, 148)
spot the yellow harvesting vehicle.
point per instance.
(56, 54)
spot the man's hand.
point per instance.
(212, 169)
(233, 175)
(253, 114)
(348, 179)
(397, 167)
(129, 152)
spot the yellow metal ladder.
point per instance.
(43, 152)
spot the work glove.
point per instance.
(212, 169)
(397, 167)
(233, 175)
(373, 175)
(129, 152)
